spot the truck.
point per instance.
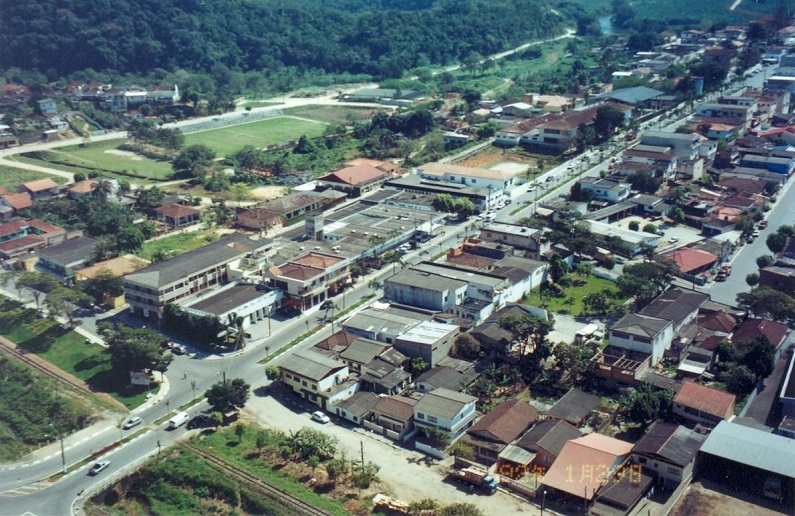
(178, 420)
(475, 477)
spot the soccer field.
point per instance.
(228, 140)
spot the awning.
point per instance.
(517, 455)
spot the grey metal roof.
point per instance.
(676, 444)
(675, 305)
(459, 274)
(441, 377)
(752, 447)
(70, 251)
(574, 406)
(181, 267)
(633, 95)
(360, 404)
(230, 298)
(443, 403)
(384, 374)
(311, 365)
(642, 325)
(517, 455)
(376, 321)
(549, 435)
(363, 351)
(425, 280)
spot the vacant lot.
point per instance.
(65, 349)
(174, 245)
(333, 114)
(104, 158)
(11, 177)
(571, 300)
(228, 140)
(701, 500)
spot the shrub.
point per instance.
(634, 225)
(650, 228)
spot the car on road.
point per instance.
(404, 248)
(320, 417)
(132, 422)
(720, 277)
(755, 234)
(763, 224)
(99, 467)
(179, 349)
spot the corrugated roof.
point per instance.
(70, 251)
(447, 378)
(752, 447)
(312, 365)
(359, 404)
(399, 408)
(637, 324)
(505, 422)
(443, 403)
(574, 406)
(752, 328)
(549, 435)
(675, 304)
(363, 351)
(705, 399)
(674, 443)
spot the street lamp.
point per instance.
(543, 500)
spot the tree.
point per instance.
(272, 372)
(443, 203)
(462, 449)
(776, 242)
(530, 332)
(650, 228)
(38, 284)
(306, 443)
(425, 506)
(634, 225)
(466, 346)
(558, 268)
(417, 366)
(765, 261)
(217, 419)
(739, 379)
(644, 182)
(149, 199)
(434, 145)
(767, 302)
(607, 120)
(261, 441)
(228, 395)
(134, 349)
(64, 302)
(463, 207)
(752, 279)
(240, 430)
(239, 192)
(129, 238)
(646, 403)
(194, 160)
(597, 302)
(758, 355)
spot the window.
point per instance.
(420, 415)
(673, 471)
(314, 387)
(303, 382)
(642, 460)
(288, 376)
(432, 419)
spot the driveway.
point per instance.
(406, 473)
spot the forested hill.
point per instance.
(59, 37)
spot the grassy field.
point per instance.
(228, 140)
(11, 177)
(575, 293)
(65, 349)
(703, 13)
(103, 157)
(177, 244)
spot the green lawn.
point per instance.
(333, 114)
(103, 157)
(576, 292)
(11, 178)
(67, 350)
(177, 244)
(228, 140)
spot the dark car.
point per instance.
(167, 344)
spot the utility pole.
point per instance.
(60, 428)
(158, 448)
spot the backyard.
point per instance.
(65, 349)
(571, 302)
(173, 245)
(104, 158)
(11, 178)
(228, 140)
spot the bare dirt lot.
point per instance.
(702, 500)
(267, 192)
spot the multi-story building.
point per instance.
(446, 411)
(642, 333)
(310, 279)
(316, 378)
(605, 189)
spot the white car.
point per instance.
(673, 240)
(133, 421)
(320, 417)
(99, 467)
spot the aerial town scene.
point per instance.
(397, 257)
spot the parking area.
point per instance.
(672, 236)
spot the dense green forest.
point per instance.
(381, 38)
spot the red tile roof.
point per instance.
(711, 343)
(752, 328)
(718, 321)
(295, 271)
(18, 201)
(400, 408)
(176, 211)
(705, 399)
(84, 187)
(506, 422)
(318, 260)
(691, 259)
(40, 185)
(355, 175)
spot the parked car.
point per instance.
(200, 421)
(763, 224)
(132, 422)
(179, 350)
(320, 417)
(167, 344)
(755, 234)
(720, 277)
(99, 467)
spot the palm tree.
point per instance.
(329, 305)
(375, 240)
(235, 323)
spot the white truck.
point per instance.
(178, 420)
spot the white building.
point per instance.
(642, 334)
(253, 303)
(447, 411)
(635, 241)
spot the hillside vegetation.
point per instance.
(60, 37)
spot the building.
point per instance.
(499, 428)
(316, 378)
(150, 289)
(358, 407)
(640, 96)
(743, 114)
(64, 259)
(750, 329)
(605, 189)
(492, 336)
(117, 267)
(532, 240)
(643, 334)
(574, 407)
(393, 417)
(445, 411)
(20, 237)
(496, 180)
(584, 465)
(425, 290)
(634, 241)
(787, 395)
(443, 377)
(677, 305)
(701, 404)
(482, 198)
(310, 279)
(177, 216)
(669, 452)
(380, 325)
(355, 180)
(546, 440)
(252, 302)
(40, 189)
(428, 340)
(752, 460)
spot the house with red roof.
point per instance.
(775, 332)
(309, 279)
(701, 404)
(40, 189)
(499, 428)
(24, 236)
(10, 203)
(177, 216)
(692, 262)
(355, 180)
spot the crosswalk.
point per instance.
(26, 490)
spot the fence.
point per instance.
(391, 434)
